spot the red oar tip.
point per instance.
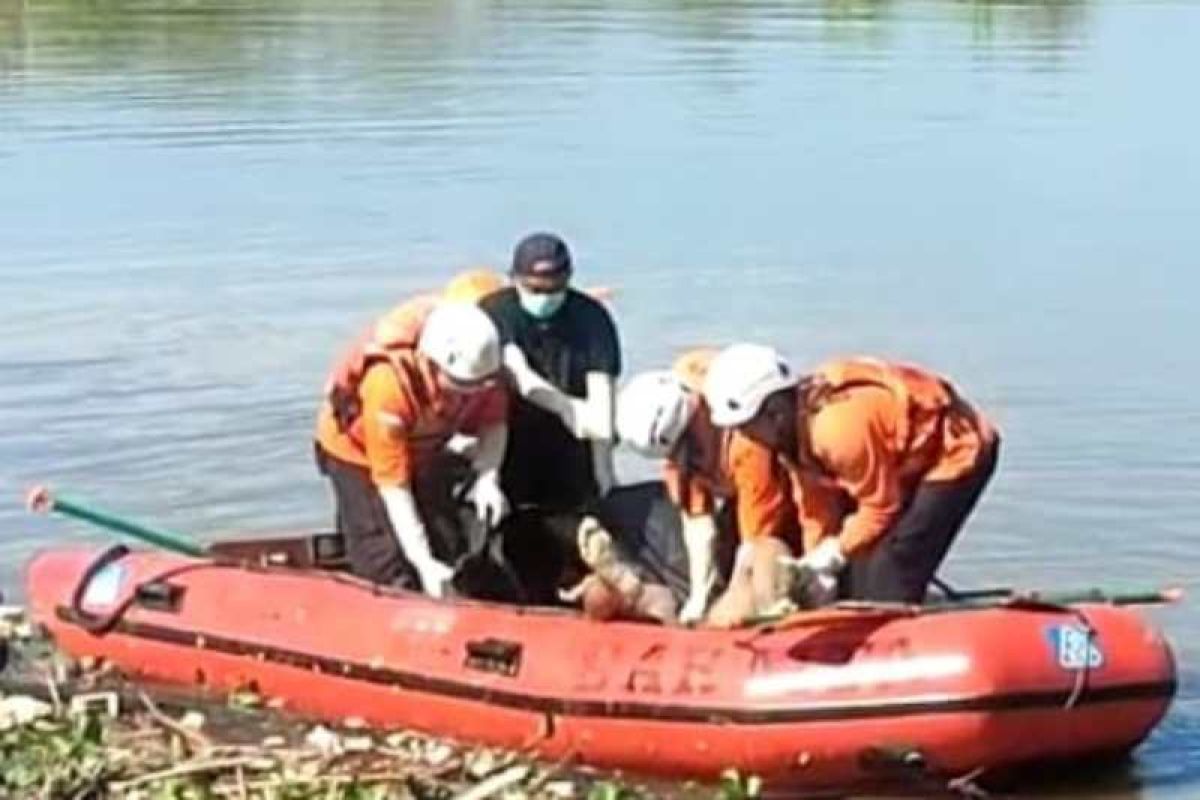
(39, 500)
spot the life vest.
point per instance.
(926, 398)
(393, 338)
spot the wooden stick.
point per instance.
(55, 696)
(334, 781)
(495, 784)
(183, 770)
(189, 736)
(241, 784)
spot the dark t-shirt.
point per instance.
(544, 463)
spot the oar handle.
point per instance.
(1138, 597)
(42, 501)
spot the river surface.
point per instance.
(201, 200)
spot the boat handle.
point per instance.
(494, 655)
(160, 596)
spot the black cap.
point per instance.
(541, 254)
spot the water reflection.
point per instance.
(1171, 757)
(1047, 21)
(12, 33)
(229, 40)
(272, 35)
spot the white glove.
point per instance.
(694, 609)
(491, 505)
(602, 467)
(539, 391)
(518, 367)
(435, 577)
(819, 567)
(598, 421)
(826, 557)
(410, 531)
(462, 445)
(699, 535)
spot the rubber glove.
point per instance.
(820, 567)
(491, 505)
(602, 467)
(410, 532)
(598, 419)
(463, 445)
(592, 418)
(699, 536)
(537, 390)
(826, 557)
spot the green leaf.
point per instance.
(612, 790)
(605, 790)
(245, 699)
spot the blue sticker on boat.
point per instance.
(105, 586)
(1074, 647)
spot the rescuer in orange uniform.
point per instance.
(884, 461)
(427, 371)
(662, 414)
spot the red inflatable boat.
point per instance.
(821, 699)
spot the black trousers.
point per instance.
(372, 549)
(904, 562)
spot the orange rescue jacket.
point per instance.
(385, 409)
(870, 432)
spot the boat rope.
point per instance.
(1080, 682)
(1084, 672)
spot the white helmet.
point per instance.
(740, 378)
(462, 340)
(653, 411)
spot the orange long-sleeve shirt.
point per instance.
(874, 445)
(870, 443)
(852, 438)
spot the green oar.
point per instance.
(988, 598)
(1066, 598)
(40, 500)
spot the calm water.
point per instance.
(200, 200)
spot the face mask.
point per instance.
(541, 305)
